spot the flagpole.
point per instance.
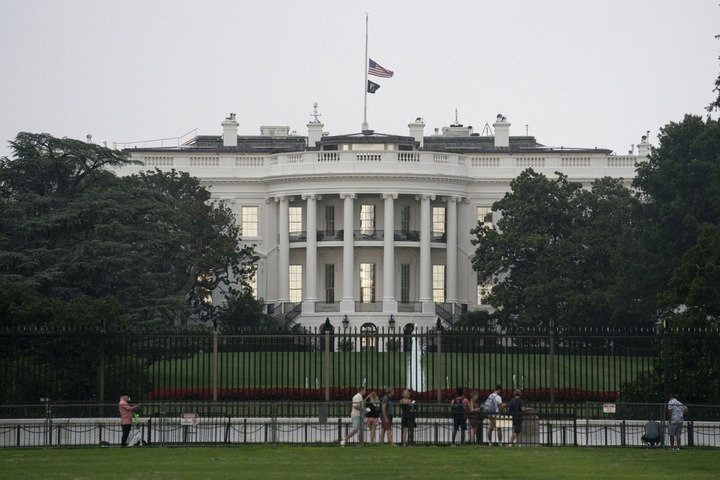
(365, 85)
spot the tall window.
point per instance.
(252, 284)
(295, 273)
(438, 220)
(405, 283)
(484, 289)
(405, 218)
(329, 283)
(249, 221)
(367, 282)
(295, 216)
(330, 219)
(484, 216)
(438, 276)
(367, 220)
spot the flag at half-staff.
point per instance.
(372, 87)
(378, 71)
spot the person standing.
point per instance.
(474, 416)
(372, 414)
(493, 405)
(516, 407)
(459, 408)
(126, 417)
(355, 415)
(386, 416)
(407, 419)
(676, 416)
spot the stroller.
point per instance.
(135, 437)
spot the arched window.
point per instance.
(368, 337)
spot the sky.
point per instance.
(577, 73)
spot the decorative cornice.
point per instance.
(363, 177)
(351, 196)
(385, 196)
(425, 196)
(311, 196)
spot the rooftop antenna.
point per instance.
(456, 117)
(526, 130)
(487, 130)
(632, 149)
(315, 114)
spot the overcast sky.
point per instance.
(579, 73)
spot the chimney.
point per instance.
(417, 131)
(315, 127)
(502, 132)
(230, 129)
(644, 147)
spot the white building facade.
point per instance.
(370, 230)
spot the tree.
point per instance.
(242, 310)
(560, 259)
(680, 192)
(155, 242)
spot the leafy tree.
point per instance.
(680, 192)
(474, 319)
(242, 310)
(561, 257)
(70, 227)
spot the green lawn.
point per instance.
(363, 462)
(475, 370)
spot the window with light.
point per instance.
(249, 222)
(438, 278)
(367, 282)
(295, 281)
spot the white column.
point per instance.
(452, 249)
(347, 304)
(311, 274)
(425, 266)
(390, 303)
(283, 249)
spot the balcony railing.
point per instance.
(368, 235)
(300, 236)
(407, 235)
(439, 237)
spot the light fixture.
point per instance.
(391, 322)
(345, 322)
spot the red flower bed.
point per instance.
(563, 395)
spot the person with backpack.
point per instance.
(458, 409)
(493, 405)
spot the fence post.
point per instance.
(552, 365)
(439, 365)
(48, 412)
(327, 366)
(665, 366)
(215, 364)
(101, 373)
(690, 435)
(622, 433)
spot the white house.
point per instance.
(367, 229)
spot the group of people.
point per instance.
(653, 431)
(380, 411)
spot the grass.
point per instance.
(364, 462)
(475, 370)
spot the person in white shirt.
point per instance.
(355, 414)
(676, 415)
(492, 407)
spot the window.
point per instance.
(367, 220)
(295, 216)
(484, 216)
(438, 279)
(484, 289)
(405, 218)
(368, 334)
(367, 282)
(252, 284)
(295, 281)
(330, 219)
(249, 221)
(330, 283)
(438, 221)
(405, 283)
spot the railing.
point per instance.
(369, 235)
(407, 235)
(313, 421)
(438, 237)
(559, 366)
(299, 236)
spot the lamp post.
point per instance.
(345, 322)
(391, 322)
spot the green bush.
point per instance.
(394, 345)
(346, 345)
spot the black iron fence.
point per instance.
(325, 365)
(194, 423)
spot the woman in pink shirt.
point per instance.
(126, 417)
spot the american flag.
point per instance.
(378, 71)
